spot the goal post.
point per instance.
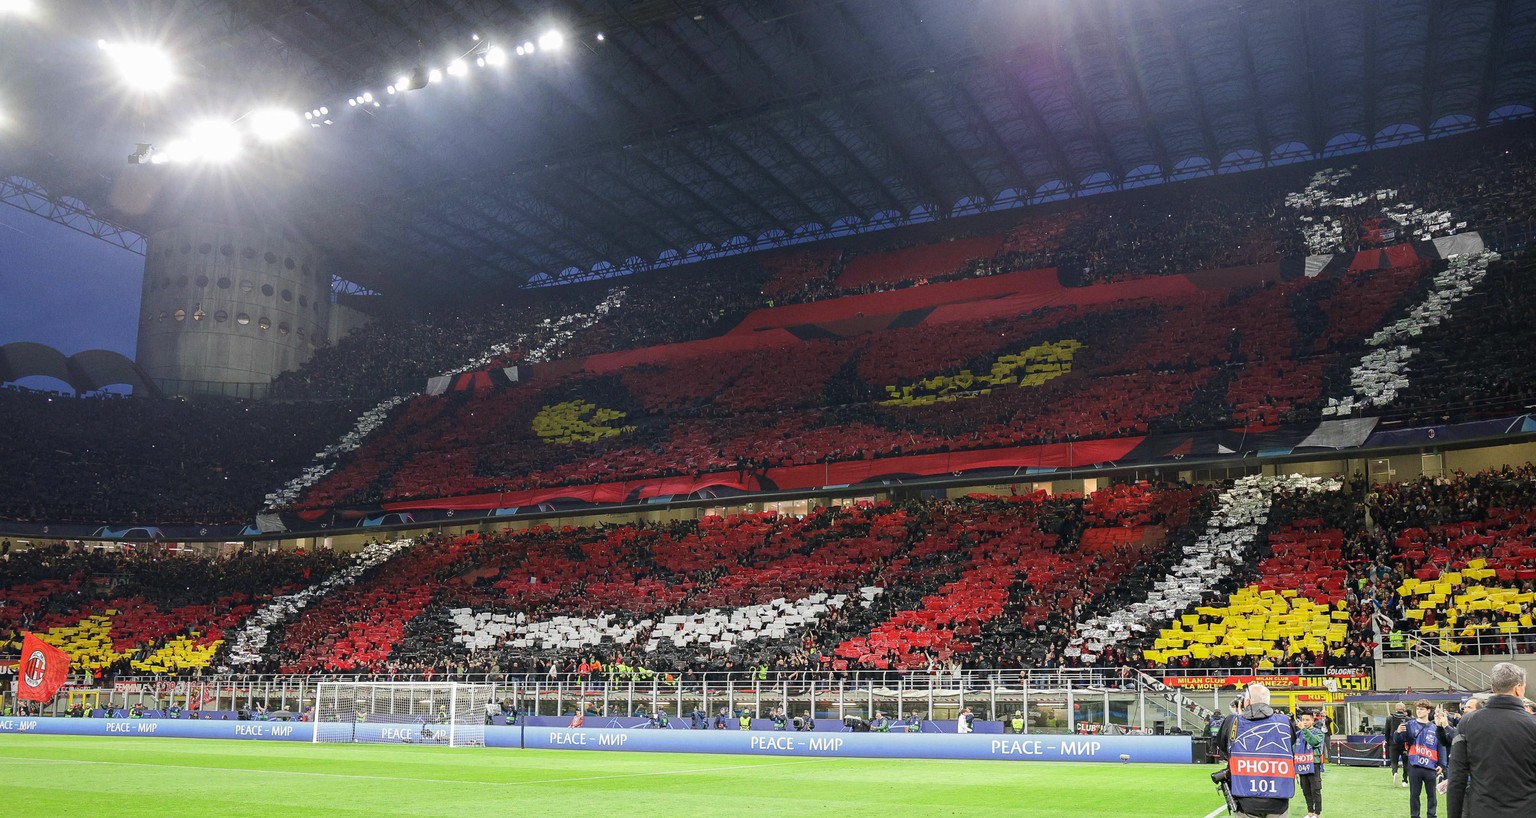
(448, 714)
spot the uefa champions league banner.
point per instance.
(1135, 749)
(167, 728)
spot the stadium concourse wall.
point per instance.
(977, 746)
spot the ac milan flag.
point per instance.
(42, 671)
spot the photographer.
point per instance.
(1260, 779)
(1426, 740)
(1310, 754)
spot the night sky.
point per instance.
(65, 289)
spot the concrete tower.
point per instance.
(225, 309)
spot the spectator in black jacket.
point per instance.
(1493, 761)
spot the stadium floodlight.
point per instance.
(273, 124)
(141, 67)
(367, 96)
(390, 89)
(600, 36)
(480, 61)
(495, 55)
(324, 110)
(434, 75)
(457, 68)
(352, 102)
(520, 51)
(551, 41)
(213, 140)
(529, 48)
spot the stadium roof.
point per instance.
(696, 127)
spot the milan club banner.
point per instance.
(1352, 680)
(43, 670)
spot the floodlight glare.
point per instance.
(141, 67)
(434, 75)
(273, 124)
(457, 68)
(551, 40)
(495, 56)
(309, 114)
(520, 51)
(390, 89)
(214, 141)
(367, 96)
(21, 8)
(480, 61)
(600, 36)
(352, 102)
(529, 48)
(324, 110)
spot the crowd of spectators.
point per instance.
(1262, 356)
(129, 460)
(978, 582)
(50, 584)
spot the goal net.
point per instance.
(445, 713)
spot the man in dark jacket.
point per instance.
(1396, 749)
(1493, 766)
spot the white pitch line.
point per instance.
(1215, 812)
(15, 760)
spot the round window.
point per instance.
(202, 281)
(199, 315)
(287, 295)
(303, 300)
(288, 262)
(224, 283)
(181, 315)
(265, 323)
(266, 290)
(247, 254)
(284, 328)
(242, 319)
(162, 315)
(205, 248)
(226, 250)
(246, 286)
(221, 316)
(270, 257)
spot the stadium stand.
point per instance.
(142, 611)
(712, 382)
(1261, 572)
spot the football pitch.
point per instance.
(69, 776)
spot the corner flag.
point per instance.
(43, 670)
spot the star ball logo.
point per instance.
(35, 668)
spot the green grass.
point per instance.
(71, 776)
